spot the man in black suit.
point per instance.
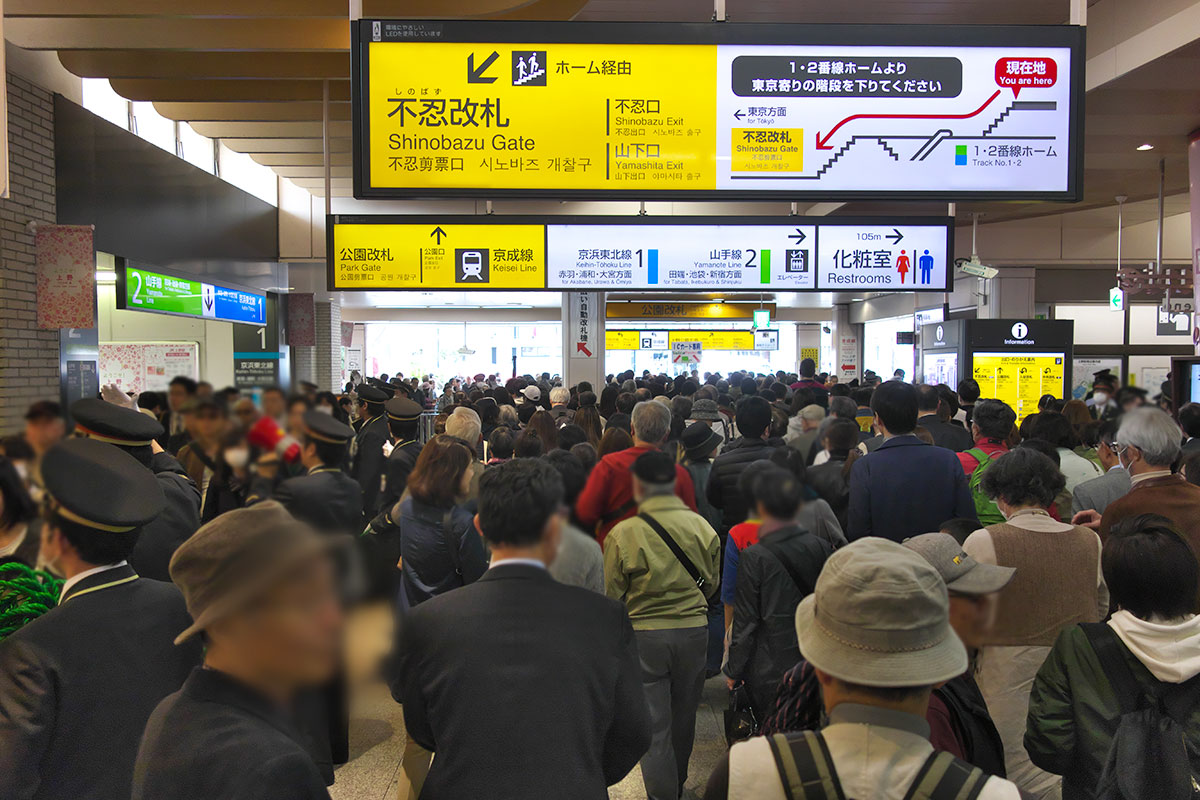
(325, 497)
(367, 459)
(521, 686)
(78, 684)
(135, 433)
(945, 434)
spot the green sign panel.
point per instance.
(150, 291)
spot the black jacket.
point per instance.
(225, 492)
(440, 550)
(217, 739)
(179, 520)
(78, 684)
(947, 434)
(368, 462)
(727, 468)
(763, 644)
(396, 471)
(326, 498)
(973, 723)
(827, 481)
(523, 687)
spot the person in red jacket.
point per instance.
(608, 496)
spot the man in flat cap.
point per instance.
(137, 434)
(367, 458)
(78, 684)
(261, 590)
(325, 496)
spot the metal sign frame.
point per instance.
(500, 32)
(334, 220)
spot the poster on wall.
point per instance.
(1083, 372)
(147, 366)
(66, 285)
(1019, 379)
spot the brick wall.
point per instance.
(328, 367)
(28, 356)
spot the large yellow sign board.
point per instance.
(709, 340)
(1019, 380)
(468, 116)
(670, 310)
(438, 257)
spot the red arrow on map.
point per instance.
(822, 141)
(583, 348)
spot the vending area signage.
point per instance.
(472, 108)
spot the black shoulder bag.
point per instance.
(694, 573)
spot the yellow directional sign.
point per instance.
(709, 340)
(669, 310)
(438, 256)
(469, 116)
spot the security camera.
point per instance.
(973, 266)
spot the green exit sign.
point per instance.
(762, 317)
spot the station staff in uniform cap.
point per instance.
(136, 434)
(381, 541)
(78, 684)
(367, 459)
(325, 497)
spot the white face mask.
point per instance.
(1101, 398)
(237, 459)
(326, 410)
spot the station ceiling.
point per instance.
(250, 72)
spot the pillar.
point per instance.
(583, 338)
(847, 345)
(327, 356)
(1194, 183)
(29, 357)
(808, 337)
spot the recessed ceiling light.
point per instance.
(1146, 146)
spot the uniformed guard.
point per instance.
(325, 497)
(367, 459)
(403, 419)
(136, 434)
(78, 684)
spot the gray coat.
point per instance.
(1097, 493)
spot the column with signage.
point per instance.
(257, 358)
(1019, 360)
(583, 338)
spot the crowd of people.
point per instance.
(908, 591)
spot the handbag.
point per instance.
(740, 721)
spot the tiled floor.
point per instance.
(377, 723)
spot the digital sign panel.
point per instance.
(799, 254)
(497, 108)
(143, 290)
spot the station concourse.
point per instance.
(804, 338)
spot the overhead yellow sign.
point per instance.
(432, 256)
(1019, 380)
(665, 340)
(660, 310)
(452, 115)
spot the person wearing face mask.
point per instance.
(1102, 403)
(78, 684)
(325, 497)
(1059, 583)
(231, 478)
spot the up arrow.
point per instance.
(439, 233)
(895, 236)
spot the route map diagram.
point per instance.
(894, 118)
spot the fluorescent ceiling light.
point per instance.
(1146, 146)
(106, 276)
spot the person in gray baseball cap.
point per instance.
(958, 715)
(877, 633)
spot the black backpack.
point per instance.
(807, 772)
(1148, 758)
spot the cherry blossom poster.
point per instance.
(147, 366)
(66, 282)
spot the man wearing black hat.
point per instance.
(403, 420)
(137, 434)
(367, 458)
(325, 496)
(78, 684)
